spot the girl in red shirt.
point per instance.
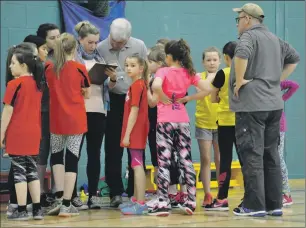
(68, 83)
(135, 130)
(21, 128)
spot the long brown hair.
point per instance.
(65, 46)
(180, 51)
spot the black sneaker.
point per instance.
(94, 203)
(19, 216)
(186, 208)
(38, 214)
(45, 200)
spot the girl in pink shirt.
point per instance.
(173, 128)
(290, 87)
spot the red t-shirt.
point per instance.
(67, 106)
(137, 96)
(24, 130)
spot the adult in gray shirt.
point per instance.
(261, 61)
(115, 49)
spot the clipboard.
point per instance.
(97, 73)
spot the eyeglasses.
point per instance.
(238, 19)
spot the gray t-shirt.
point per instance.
(133, 46)
(266, 55)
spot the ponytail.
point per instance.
(180, 51)
(38, 73)
(145, 74)
(64, 46)
(186, 58)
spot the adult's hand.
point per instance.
(111, 73)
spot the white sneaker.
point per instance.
(78, 204)
(11, 208)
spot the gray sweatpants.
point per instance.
(257, 136)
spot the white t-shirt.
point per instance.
(95, 102)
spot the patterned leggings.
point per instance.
(24, 169)
(175, 137)
(286, 188)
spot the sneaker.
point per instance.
(128, 203)
(186, 208)
(287, 200)
(116, 201)
(94, 203)
(30, 210)
(276, 212)
(135, 209)
(175, 200)
(242, 211)
(68, 211)
(217, 205)
(11, 208)
(183, 197)
(208, 199)
(77, 203)
(18, 216)
(45, 200)
(161, 209)
(38, 214)
(54, 209)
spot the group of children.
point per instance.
(154, 110)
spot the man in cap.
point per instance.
(261, 61)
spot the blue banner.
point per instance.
(73, 13)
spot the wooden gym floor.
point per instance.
(294, 216)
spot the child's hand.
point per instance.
(2, 145)
(183, 100)
(126, 140)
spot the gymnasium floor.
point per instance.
(293, 216)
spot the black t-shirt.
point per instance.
(219, 80)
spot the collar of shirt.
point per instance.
(258, 26)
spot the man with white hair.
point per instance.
(261, 61)
(115, 49)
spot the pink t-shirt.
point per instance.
(176, 82)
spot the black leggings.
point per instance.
(94, 137)
(226, 140)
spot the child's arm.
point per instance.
(152, 99)
(5, 120)
(157, 88)
(290, 86)
(217, 84)
(131, 123)
(85, 89)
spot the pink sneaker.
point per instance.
(174, 200)
(287, 200)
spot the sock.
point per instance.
(133, 199)
(172, 189)
(22, 208)
(59, 194)
(141, 202)
(66, 202)
(184, 188)
(36, 206)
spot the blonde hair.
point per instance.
(85, 28)
(64, 46)
(142, 62)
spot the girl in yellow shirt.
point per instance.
(206, 126)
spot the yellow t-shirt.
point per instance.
(206, 112)
(225, 116)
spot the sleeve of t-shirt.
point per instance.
(11, 93)
(161, 73)
(136, 94)
(85, 78)
(219, 79)
(195, 79)
(244, 47)
(289, 54)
